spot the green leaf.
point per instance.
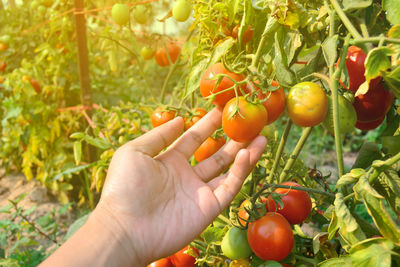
(392, 80)
(377, 210)
(348, 226)
(77, 152)
(76, 225)
(9, 263)
(335, 262)
(284, 74)
(394, 32)
(78, 135)
(350, 177)
(377, 61)
(367, 154)
(388, 185)
(98, 142)
(392, 9)
(329, 48)
(213, 234)
(74, 170)
(375, 252)
(391, 143)
(356, 4)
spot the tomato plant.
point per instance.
(271, 237)
(181, 10)
(141, 14)
(347, 116)
(195, 117)
(183, 259)
(166, 55)
(296, 204)
(161, 115)
(307, 104)
(164, 262)
(209, 148)
(120, 14)
(215, 83)
(242, 120)
(243, 216)
(234, 244)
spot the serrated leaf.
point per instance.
(356, 4)
(335, 262)
(392, 9)
(377, 210)
(213, 234)
(348, 226)
(347, 178)
(388, 185)
(329, 48)
(377, 61)
(374, 252)
(77, 152)
(367, 154)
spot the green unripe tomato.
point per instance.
(147, 53)
(234, 244)
(120, 14)
(141, 14)
(181, 10)
(347, 116)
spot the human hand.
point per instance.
(152, 204)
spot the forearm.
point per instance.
(96, 243)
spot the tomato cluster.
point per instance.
(371, 107)
(180, 259)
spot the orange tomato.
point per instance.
(161, 55)
(209, 148)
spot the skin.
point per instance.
(152, 200)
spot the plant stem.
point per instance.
(295, 153)
(33, 224)
(172, 69)
(375, 40)
(224, 219)
(309, 260)
(270, 28)
(350, 27)
(279, 151)
(301, 188)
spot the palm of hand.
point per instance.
(162, 202)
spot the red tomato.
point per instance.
(198, 114)
(369, 125)
(271, 237)
(162, 57)
(160, 116)
(243, 215)
(208, 84)
(3, 46)
(182, 259)
(296, 204)
(374, 104)
(165, 262)
(3, 66)
(208, 148)
(275, 103)
(35, 84)
(247, 121)
(247, 35)
(355, 59)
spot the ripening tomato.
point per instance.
(208, 148)
(164, 262)
(242, 120)
(141, 14)
(296, 204)
(209, 84)
(198, 114)
(355, 59)
(147, 53)
(181, 10)
(374, 104)
(234, 245)
(307, 104)
(161, 55)
(365, 126)
(247, 35)
(275, 101)
(3, 46)
(35, 84)
(271, 237)
(3, 66)
(161, 115)
(182, 259)
(120, 14)
(243, 216)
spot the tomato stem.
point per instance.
(378, 39)
(295, 153)
(347, 23)
(279, 151)
(224, 219)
